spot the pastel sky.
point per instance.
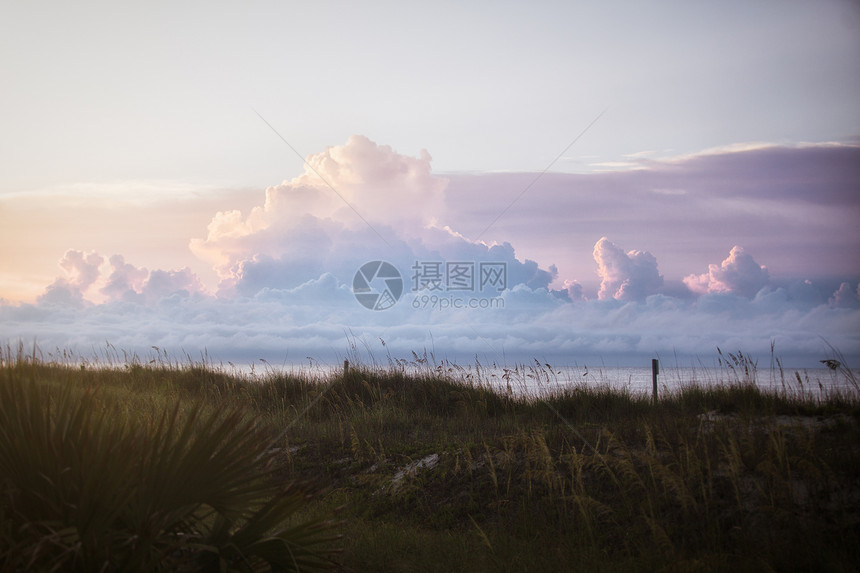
(658, 179)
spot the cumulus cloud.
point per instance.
(81, 270)
(161, 284)
(739, 273)
(354, 187)
(125, 280)
(84, 272)
(573, 290)
(625, 276)
(846, 297)
(354, 203)
(795, 208)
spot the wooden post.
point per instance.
(655, 369)
(345, 368)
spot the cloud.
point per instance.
(304, 229)
(846, 297)
(794, 207)
(573, 291)
(85, 272)
(354, 203)
(81, 271)
(321, 319)
(625, 276)
(287, 264)
(125, 280)
(162, 284)
(739, 273)
(350, 188)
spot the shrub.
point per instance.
(85, 488)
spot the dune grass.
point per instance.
(431, 472)
(89, 483)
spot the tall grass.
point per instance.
(85, 486)
(439, 471)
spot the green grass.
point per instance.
(426, 471)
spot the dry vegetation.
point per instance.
(162, 466)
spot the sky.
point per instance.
(650, 179)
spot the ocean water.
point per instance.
(537, 380)
(815, 381)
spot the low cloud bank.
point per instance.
(321, 319)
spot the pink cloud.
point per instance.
(846, 297)
(355, 186)
(794, 207)
(625, 276)
(125, 279)
(161, 284)
(81, 271)
(573, 290)
(85, 271)
(739, 273)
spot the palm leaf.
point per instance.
(84, 488)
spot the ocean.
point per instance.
(541, 379)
